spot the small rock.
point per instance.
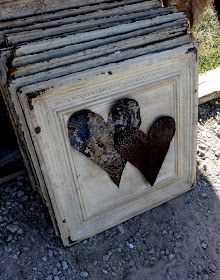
(168, 276)
(204, 195)
(212, 267)
(20, 194)
(15, 257)
(204, 245)
(12, 228)
(26, 248)
(106, 258)
(131, 263)
(58, 265)
(25, 198)
(56, 277)
(206, 277)
(9, 238)
(65, 265)
(121, 229)
(105, 271)
(171, 256)
(55, 271)
(84, 274)
(20, 231)
(151, 251)
(131, 246)
(50, 253)
(44, 259)
(50, 277)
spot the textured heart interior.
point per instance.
(92, 136)
(146, 152)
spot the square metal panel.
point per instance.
(84, 199)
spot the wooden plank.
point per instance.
(209, 85)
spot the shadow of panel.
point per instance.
(11, 162)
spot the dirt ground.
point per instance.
(179, 240)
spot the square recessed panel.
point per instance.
(84, 199)
(93, 179)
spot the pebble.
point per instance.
(56, 278)
(105, 271)
(212, 267)
(12, 228)
(65, 265)
(204, 245)
(10, 237)
(20, 231)
(50, 277)
(20, 194)
(131, 246)
(171, 256)
(131, 263)
(106, 258)
(55, 271)
(44, 259)
(50, 253)
(84, 274)
(121, 229)
(151, 251)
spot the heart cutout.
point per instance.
(92, 136)
(146, 152)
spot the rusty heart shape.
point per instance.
(111, 144)
(146, 152)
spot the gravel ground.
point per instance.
(178, 240)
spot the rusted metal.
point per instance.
(146, 152)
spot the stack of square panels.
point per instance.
(87, 55)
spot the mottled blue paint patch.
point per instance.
(78, 128)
